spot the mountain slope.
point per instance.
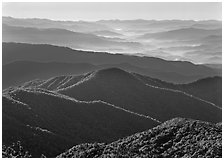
(177, 72)
(209, 88)
(175, 138)
(49, 123)
(124, 89)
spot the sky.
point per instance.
(90, 11)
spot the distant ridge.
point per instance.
(171, 71)
(183, 34)
(64, 37)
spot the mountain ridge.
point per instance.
(42, 116)
(109, 85)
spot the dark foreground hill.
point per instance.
(49, 123)
(175, 138)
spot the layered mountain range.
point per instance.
(167, 39)
(100, 89)
(28, 61)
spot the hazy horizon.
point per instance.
(90, 11)
(116, 19)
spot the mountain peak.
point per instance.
(114, 74)
(112, 70)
